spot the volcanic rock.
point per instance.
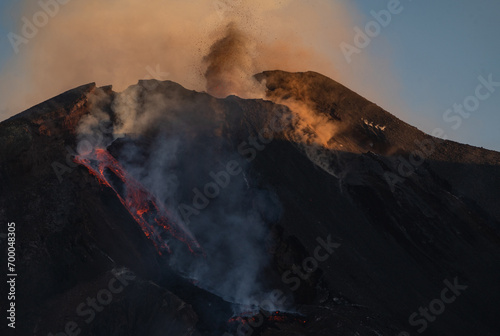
(390, 242)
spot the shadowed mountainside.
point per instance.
(398, 240)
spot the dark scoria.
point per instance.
(397, 241)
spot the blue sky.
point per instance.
(7, 23)
(438, 49)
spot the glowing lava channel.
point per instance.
(140, 203)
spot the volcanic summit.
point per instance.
(309, 211)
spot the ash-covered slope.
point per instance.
(365, 127)
(354, 235)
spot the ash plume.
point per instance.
(230, 63)
(168, 39)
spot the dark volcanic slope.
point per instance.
(349, 109)
(399, 241)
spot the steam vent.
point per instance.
(309, 211)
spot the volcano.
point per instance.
(164, 211)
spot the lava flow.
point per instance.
(263, 316)
(140, 203)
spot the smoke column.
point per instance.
(118, 42)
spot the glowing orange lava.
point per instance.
(140, 203)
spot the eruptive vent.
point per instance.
(152, 217)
